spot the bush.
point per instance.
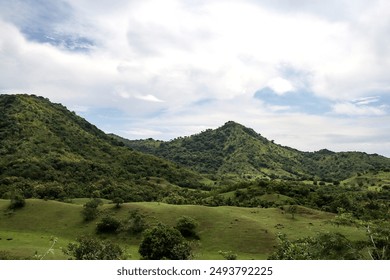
(186, 226)
(108, 224)
(228, 255)
(136, 223)
(90, 211)
(118, 201)
(164, 242)
(89, 248)
(17, 201)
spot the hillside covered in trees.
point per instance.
(48, 151)
(237, 150)
(62, 176)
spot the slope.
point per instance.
(250, 233)
(239, 151)
(46, 150)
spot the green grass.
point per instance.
(249, 232)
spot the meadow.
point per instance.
(251, 233)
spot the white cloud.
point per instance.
(280, 86)
(154, 59)
(350, 109)
(148, 97)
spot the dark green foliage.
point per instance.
(228, 255)
(54, 154)
(164, 242)
(17, 201)
(89, 248)
(292, 209)
(118, 201)
(379, 242)
(135, 223)
(90, 210)
(186, 226)
(108, 224)
(240, 151)
(324, 246)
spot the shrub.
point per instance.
(90, 210)
(228, 255)
(17, 201)
(186, 226)
(118, 201)
(108, 224)
(136, 223)
(89, 248)
(164, 242)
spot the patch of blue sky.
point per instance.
(103, 117)
(296, 101)
(40, 21)
(203, 101)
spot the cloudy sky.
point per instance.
(309, 74)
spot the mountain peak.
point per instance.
(44, 144)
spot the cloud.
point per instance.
(187, 65)
(149, 97)
(280, 86)
(351, 109)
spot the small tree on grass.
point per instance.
(186, 226)
(108, 224)
(292, 209)
(88, 248)
(118, 202)
(17, 201)
(164, 242)
(135, 223)
(90, 211)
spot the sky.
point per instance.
(309, 74)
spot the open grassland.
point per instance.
(251, 233)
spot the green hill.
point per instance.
(239, 151)
(248, 232)
(48, 151)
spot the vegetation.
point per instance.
(108, 224)
(324, 246)
(186, 226)
(239, 151)
(89, 248)
(135, 223)
(164, 242)
(17, 201)
(90, 211)
(49, 152)
(61, 172)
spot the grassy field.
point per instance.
(248, 232)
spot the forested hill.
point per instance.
(48, 151)
(234, 149)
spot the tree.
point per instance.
(186, 226)
(324, 246)
(136, 223)
(292, 209)
(164, 242)
(17, 201)
(118, 201)
(379, 242)
(108, 224)
(90, 210)
(89, 248)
